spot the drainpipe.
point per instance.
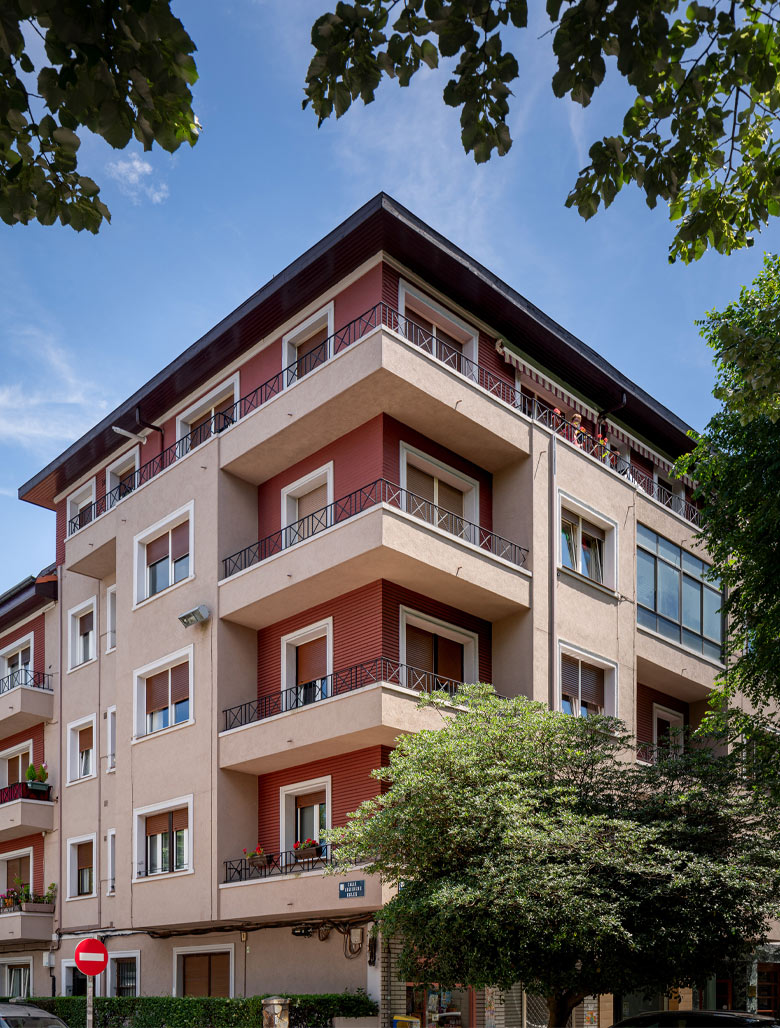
(143, 423)
(552, 520)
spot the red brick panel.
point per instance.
(358, 298)
(390, 279)
(645, 698)
(351, 783)
(36, 734)
(26, 842)
(38, 629)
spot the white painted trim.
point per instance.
(109, 711)
(169, 522)
(301, 486)
(139, 839)
(140, 674)
(429, 623)
(77, 497)
(131, 455)
(72, 615)
(611, 542)
(297, 638)
(67, 964)
(110, 863)
(72, 754)
(205, 403)
(123, 954)
(13, 751)
(110, 591)
(321, 318)
(465, 483)
(435, 312)
(72, 871)
(295, 789)
(180, 951)
(26, 851)
(610, 666)
(5, 965)
(16, 647)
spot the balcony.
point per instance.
(370, 704)
(26, 921)
(25, 809)
(379, 531)
(26, 699)
(288, 886)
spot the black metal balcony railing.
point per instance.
(25, 791)
(380, 669)
(379, 492)
(382, 315)
(35, 679)
(288, 862)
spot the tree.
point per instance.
(119, 69)
(530, 850)
(736, 462)
(698, 133)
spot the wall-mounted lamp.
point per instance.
(195, 616)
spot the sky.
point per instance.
(88, 319)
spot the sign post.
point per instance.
(91, 959)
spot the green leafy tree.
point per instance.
(736, 462)
(530, 850)
(698, 133)
(120, 70)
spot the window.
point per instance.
(434, 329)
(111, 738)
(305, 812)
(123, 977)
(667, 730)
(304, 504)
(16, 662)
(202, 972)
(111, 861)
(163, 554)
(81, 749)
(74, 983)
(167, 697)
(80, 507)
(16, 765)
(582, 687)
(307, 346)
(17, 872)
(307, 663)
(81, 637)
(121, 477)
(582, 546)
(674, 596)
(110, 618)
(436, 655)
(17, 980)
(167, 842)
(438, 494)
(210, 415)
(310, 815)
(81, 867)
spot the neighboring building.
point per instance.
(445, 486)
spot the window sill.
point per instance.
(111, 649)
(164, 876)
(578, 577)
(679, 646)
(163, 592)
(78, 667)
(78, 781)
(111, 770)
(162, 731)
(72, 899)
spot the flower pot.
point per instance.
(308, 852)
(31, 907)
(257, 860)
(39, 787)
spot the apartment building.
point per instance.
(386, 471)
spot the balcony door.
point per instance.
(667, 728)
(206, 974)
(311, 668)
(433, 660)
(16, 767)
(17, 873)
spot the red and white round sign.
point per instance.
(91, 956)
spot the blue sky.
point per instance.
(87, 319)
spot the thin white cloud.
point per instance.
(575, 114)
(132, 174)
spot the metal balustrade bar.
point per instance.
(272, 864)
(380, 669)
(378, 492)
(34, 679)
(382, 315)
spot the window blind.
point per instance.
(86, 621)
(180, 541)
(449, 661)
(180, 682)
(157, 692)
(312, 501)
(310, 799)
(157, 824)
(157, 549)
(84, 855)
(85, 738)
(311, 660)
(592, 685)
(419, 648)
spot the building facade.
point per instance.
(385, 472)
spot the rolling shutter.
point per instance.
(86, 621)
(570, 676)
(85, 738)
(420, 483)
(18, 867)
(219, 984)
(84, 855)
(157, 549)
(312, 501)
(419, 648)
(592, 685)
(311, 660)
(180, 541)
(592, 530)
(196, 974)
(449, 662)
(157, 824)
(179, 819)
(450, 498)
(310, 799)
(180, 682)
(157, 692)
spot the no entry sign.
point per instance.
(91, 956)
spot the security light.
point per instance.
(194, 616)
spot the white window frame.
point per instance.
(72, 883)
(469, 640)
(292, 640)
(127, 954)
(16, 647)
(435, 312)
(457, 479)
(69, 965)
(111, 738)
(13, 751)
(139, 838)
(287, 794)
(111, 619)
(26, 851)
(292, 492)
(78, 499)
(609, 527)
(72, 736)
(5, 968)
(166, 524)
(322, 318)
(110, 861)
(118, 469)
(610, 667)
(177, 978)
(206, 403)
(673, 716)
(139, 693)
(73, 633)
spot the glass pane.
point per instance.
(323, 824)
(158, 576)
(566, 705)
(691, 597)
(668, 591)
(152, 854)
(669, 551)
(645, 573)
(692, 565)
(181, 568)
(712, 618)
(592, 558)
(181, 711)
(669, 630)
(568, 545)
(692, 640)
(646, 538)
(181, 848)
(712, 650)
(645, 618)
(165, 856)
(305, 823)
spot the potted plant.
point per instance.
(33, 903)
(307, 850)
(36, 779)
(257, 858)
